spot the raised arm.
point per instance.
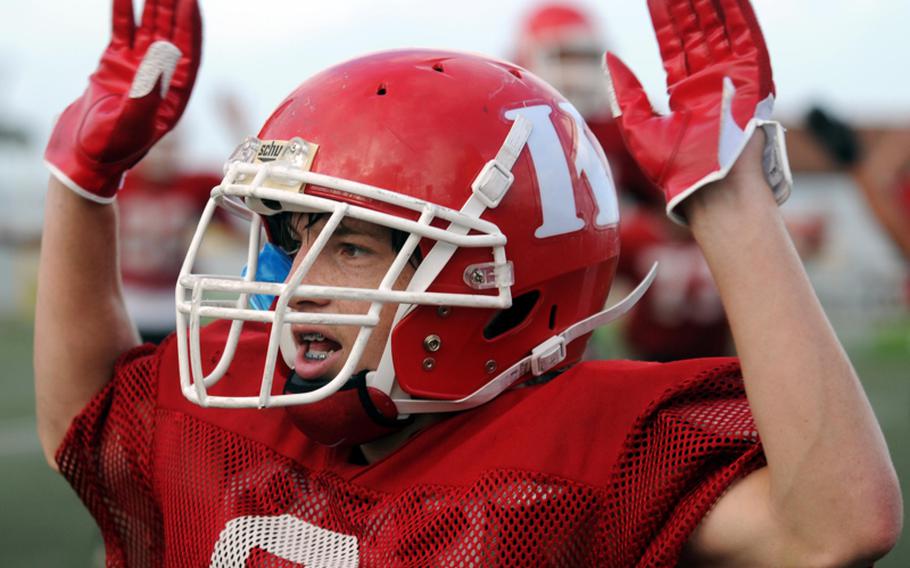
(829, 494)
(136, 95)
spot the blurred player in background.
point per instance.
(682, 315)
(878, 162)
(160, 203)
(404, 386)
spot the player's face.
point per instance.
(357, 255)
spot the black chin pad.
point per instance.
(295, 385)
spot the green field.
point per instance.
(42, 524)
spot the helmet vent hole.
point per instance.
(438, 67)
(507, 320)
(272, 204)
(381, 90)
(553, 316)
(515, 72)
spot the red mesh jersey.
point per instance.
(610, 464)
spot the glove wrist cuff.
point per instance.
(775, 165)
(100, 189)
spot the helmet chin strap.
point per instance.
(546, 356)
(488, 189)
(488, 192)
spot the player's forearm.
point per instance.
(830, 473)
(81, 324)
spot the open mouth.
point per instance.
(316, 353)
(317, 347)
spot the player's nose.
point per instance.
(317, 274)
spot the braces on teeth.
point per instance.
(317, 355)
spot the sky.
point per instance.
(849, 55)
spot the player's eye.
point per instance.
(352, 250)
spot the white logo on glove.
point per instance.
(160, 61)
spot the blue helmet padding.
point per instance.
(274, 266)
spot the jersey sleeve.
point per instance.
(680, 456)
(106, 456)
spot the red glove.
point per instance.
(720, 86)
(136, 95)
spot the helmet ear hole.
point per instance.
(510, 318)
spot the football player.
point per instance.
(394, 380)
(682, 315)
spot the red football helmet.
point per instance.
(499, 183)
(563, 45)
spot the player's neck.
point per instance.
(379, 449)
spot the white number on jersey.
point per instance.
(286, 537)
